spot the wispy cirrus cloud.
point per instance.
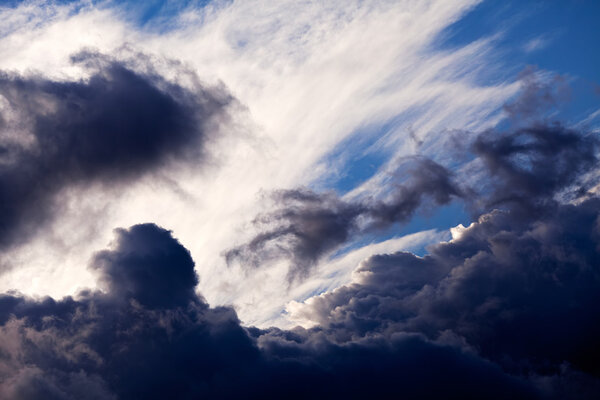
(310, 83)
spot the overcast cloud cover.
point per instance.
(260, 199)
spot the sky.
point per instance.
(299, 199)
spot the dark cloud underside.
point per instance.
(118, 346)
(509, 310)
(111, 128)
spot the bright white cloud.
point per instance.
(310, 75)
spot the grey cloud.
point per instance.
(110, 129)
(530, 166)
(523, 294)
(524, 170)
(307, 225)
(114, 345)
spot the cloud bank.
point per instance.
(509, 309)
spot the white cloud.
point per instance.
(537, 43)
(310, 74)
(338, 271)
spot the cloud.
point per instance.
(521, 294)
(149, 267)
(537, 43)
(519, 287)
(523, 168)
(507, 310)
(308, 225)
(109, 129)
(313, 76)
(101, 347)
(533, 164)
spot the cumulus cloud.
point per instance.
(507, 310)
(110, 128)
(113, 345)
(521, 294)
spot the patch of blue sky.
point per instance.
(349, 164)
(155, 15)
(441, 219)
(158, 16)
(360, 155)
(559, 37)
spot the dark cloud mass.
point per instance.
(524, 295)
(110, 128)
(529, 166)
(116, 345)
(509, 309)
(307, 225)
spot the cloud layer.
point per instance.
(508, 309)
(109, 345)
(351, 118)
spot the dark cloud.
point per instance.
(148, 336)
(306, 225)
(524, 295)
(148, 266)
(517, 293)
(110, 128)
(528, 167)
(113, 345)
(524, 170)
(538, 96)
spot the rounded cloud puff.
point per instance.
(148, 265)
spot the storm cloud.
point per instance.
(305, 225)
(114, 344)
(523, 294)
(508, 309)
(530, 166)
(110, 128)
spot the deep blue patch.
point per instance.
(441, 218)
(568, 33)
